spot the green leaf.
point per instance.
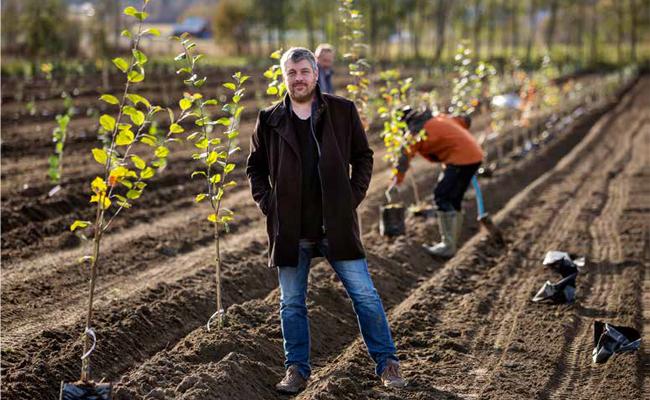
(79, 224)
(233, 134)
(199, 82)
(137, 117)
(110, 99)
(130, 11)
(230, 85)
(185, 104)
(216, 178)
(140, 56)
(212, 158)
(272, 90)
(211, 102)
(200, 197)
(148, 140)
(124, 204)
(124, 138)
(176, 128)
(228, 168)
(107, 122)
(238, 112)
(225, 121)
(138, 162)
(219, 194)
(198, 173)
(136, 99)
(100, 156)
(121, 64)
(141, 15)
(135, 76)
(161, 152)
(193, 135)
(151, 31)
(202, 144)
(147, 173)
(133, 194)
(126, 33)
(230, 184)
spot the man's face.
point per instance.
(326, 59)
(300, 79)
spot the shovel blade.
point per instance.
(86, 391)
(486, 222)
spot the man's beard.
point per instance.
(303, 98)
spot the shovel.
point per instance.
(484, 218)
(86, 389)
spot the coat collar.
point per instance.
(279, 119)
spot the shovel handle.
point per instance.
(479, 197)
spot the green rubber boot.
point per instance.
(447, 222)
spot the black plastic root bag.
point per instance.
(610, 339)
(391, 220)
(85, 391)
(563, 263)
(564, 291)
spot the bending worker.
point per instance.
(448, 141)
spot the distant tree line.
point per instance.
(414, 29)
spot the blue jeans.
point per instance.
(365, 300)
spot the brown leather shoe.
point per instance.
(391, 376)
(293, 381)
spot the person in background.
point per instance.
(325, 57)
(448, 141)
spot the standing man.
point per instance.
(325, 58)
(301, 155)
(448, 141)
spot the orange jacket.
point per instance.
(447, 141)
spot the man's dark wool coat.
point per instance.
(274, 172)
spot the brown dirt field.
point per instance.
(470, 317)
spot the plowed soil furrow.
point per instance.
(64, 309)
(509, 349)
(252, 353)
(157, 289)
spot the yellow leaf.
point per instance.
(79, 224)
(106, 202)
(98, 185)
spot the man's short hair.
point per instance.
(297, 54)
(324, 48)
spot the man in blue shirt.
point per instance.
(325, 58)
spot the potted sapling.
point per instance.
(128, 161)
(216, 144)
(397, 141)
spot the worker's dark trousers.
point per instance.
(452, 185)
